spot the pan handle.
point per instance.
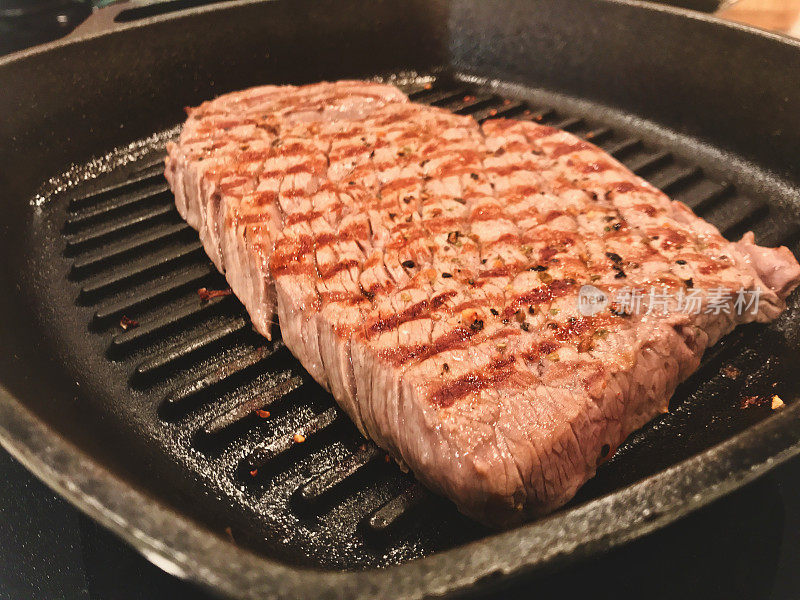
(100, 21)
(119, 14)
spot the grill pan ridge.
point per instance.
(185, 384)
(232, 403)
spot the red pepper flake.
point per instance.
(428, 86)
(299, 438)
(469, 98)
(387, 458)
(264, 414)
(506, 102)
(206, 294)
(229, 533)
(254, 472)
(127, 323)
(493, 112)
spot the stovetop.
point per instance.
(25, 23)
(746, 545)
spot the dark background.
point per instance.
(746, 545)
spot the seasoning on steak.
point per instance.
(426, 270)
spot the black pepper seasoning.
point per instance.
(409, 264)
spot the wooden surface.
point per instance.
(776, 15)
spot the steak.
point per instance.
(430, 271)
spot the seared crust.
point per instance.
(426, 270)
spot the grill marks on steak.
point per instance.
(230, 169)
(426, 270)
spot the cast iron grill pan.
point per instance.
(154, 430)
(229, 406)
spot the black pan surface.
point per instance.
(153, 430)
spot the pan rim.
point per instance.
(196, 553)
(71, 39)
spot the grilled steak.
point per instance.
(426, 270)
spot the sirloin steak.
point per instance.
(426, 270)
